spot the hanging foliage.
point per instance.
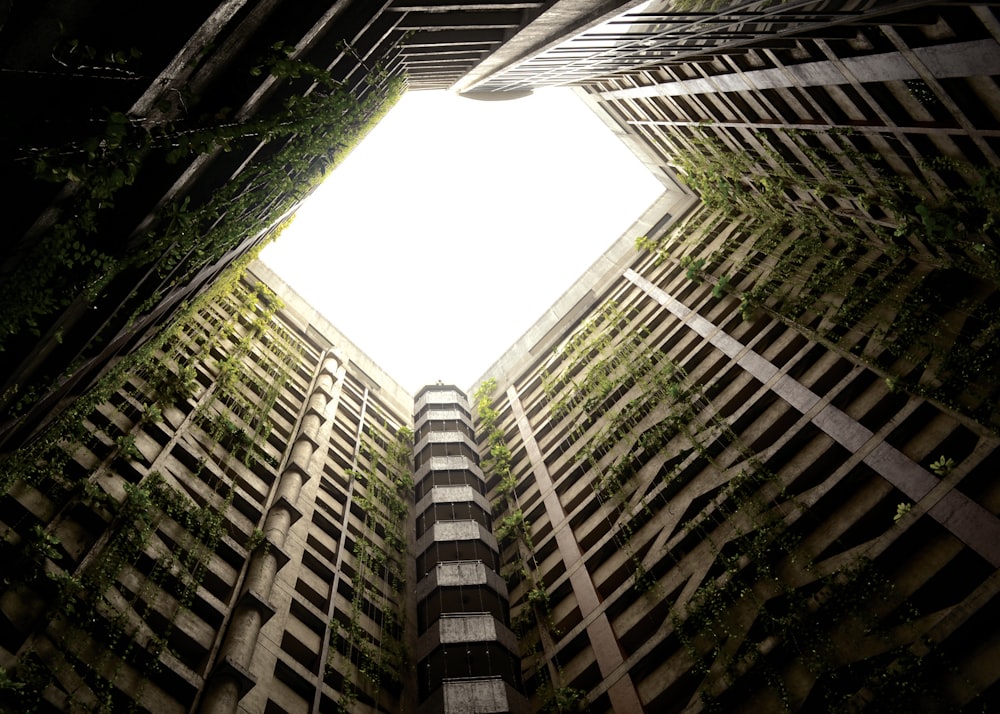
(126, 586)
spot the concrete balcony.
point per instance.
(481, 695)
(448, 463)
(441, 395)
(445, 437)
(452, 494)
(441, 415)
(461, 573)
(444, 531)
(455, 628)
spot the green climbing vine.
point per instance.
(657, 449)
(383, 491)
(72, 264)
(124, 587)
(821, 233)
(511, 527)
(317, 130)
(607, 362)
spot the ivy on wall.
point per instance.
(117, 590)
(533, 623)
(306, 136)
(825, 236)
(384, 492)
(755, 618)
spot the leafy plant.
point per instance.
(694, 267)
(255, 539)
(152, 413)
(721, 287)
(563, 700)
(901, 510)
(127, 448)
(512, 525)
(943, 466)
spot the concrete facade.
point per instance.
(717, 471)
(746, 465)
(720, 451)
(153, 149)
(246, 549)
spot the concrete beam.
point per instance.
(441, 38)
(452, 5)
(953, 60)
(561, 21)
(475, 696)
(460, 21)
(960, 515)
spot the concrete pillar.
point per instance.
(222, 695)
(289, 486)
(231, 678)
(262, 570)
(302, 452)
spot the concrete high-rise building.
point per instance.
(652, 504)
(466, 652)
(235, 512)
(746, 463)
(150, 149)
(714, 511)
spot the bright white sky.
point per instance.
(456, 223)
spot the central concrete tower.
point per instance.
(467, 656)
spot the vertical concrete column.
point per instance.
(231, 678)
(623, 695)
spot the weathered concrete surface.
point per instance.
(456, 530)
(561, 21)
(465, 627)
(474, 696)
(452, 494)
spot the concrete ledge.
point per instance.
(442, 415)
(448, 463)
(465, 627)
(440, 395)
(459, 573)
(446, 437)
(486, 695)
(483, 695)
(444, 531)
(451, 494)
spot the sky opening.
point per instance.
(456, 224)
